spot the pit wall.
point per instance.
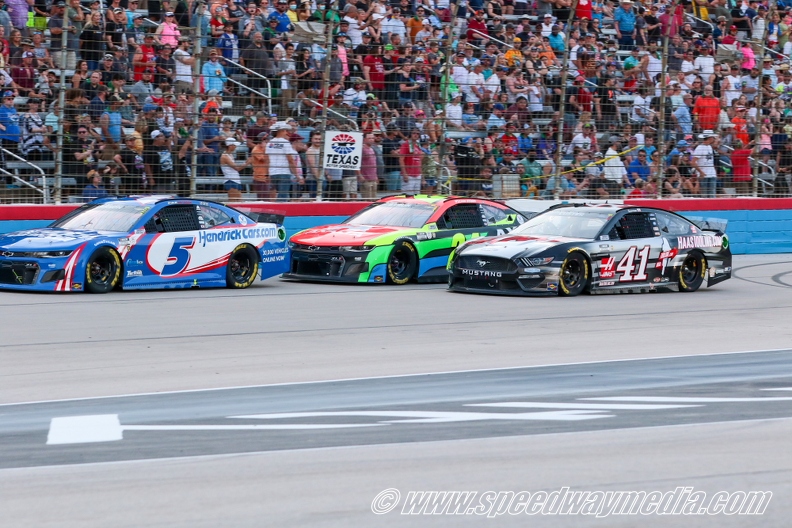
(755, 225)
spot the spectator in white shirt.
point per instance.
(453, 111)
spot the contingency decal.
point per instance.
(606, 268)
(699, 241)
(667, 254)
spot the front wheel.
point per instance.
(402, 263)
(692, 272)
(103, 271)
(574, 275)
(242, 267)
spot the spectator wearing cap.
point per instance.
(410, 156)
(99, 102)
(494, 82)
(144, 57)
(624, 19)
(24, 75)
(496, 120)
(144, 87)
(95, 189)
(116, 28)
(165, 65)
(282, 163)
(514, 57)
(280, 14)
(477, 28)
(55, 26)
(758, 25)
(183, 61)
(546, 25)
(158, 160)
(213, 74)
(228, 46)
(110, 122)
(9, 124)
(474, 85)
(703, 161)
(393, 25)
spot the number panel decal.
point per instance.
(179, 257)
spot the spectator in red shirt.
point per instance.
(24, 75)
(374, 71)
(707, 110)
(518, 112)
(477, 27)
(510, 138)
(410, 155)
(741, 167)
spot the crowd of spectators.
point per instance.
(467, 96)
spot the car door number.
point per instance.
(179, 256)
(630, 271)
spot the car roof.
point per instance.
(436, 200)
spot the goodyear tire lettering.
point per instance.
(402, 262)
(106, 264)
(237, 276)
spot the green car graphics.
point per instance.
(397, 239)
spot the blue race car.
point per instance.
(145, 242)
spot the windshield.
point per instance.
(110, 216)
(572, 223)
(397, 214)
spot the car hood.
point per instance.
(342, 235)
(51, 239)
(511, 246)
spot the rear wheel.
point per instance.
(692, 272)
(242, 267)
(103, 271)
(574, 275)
(402, 263)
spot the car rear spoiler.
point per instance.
(709, 224)
(267, 218)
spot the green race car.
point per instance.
(397, 239)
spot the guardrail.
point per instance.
(268, 97)
(44, 186)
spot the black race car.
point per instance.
(594, 248)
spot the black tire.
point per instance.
(103, 271)
(242, 267)
(402, 262)
(692, 272)
(574, 275)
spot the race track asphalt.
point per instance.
(91, 351)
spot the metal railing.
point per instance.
(44, 186)
(488, 37)
(330, 110)
(269, 84)
(25, 183)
